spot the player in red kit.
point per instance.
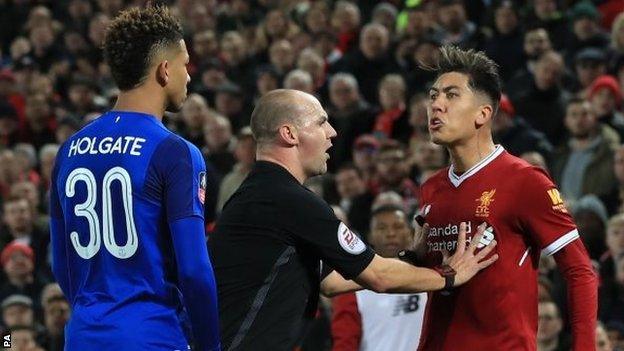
(524, 212)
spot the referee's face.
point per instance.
(315, 135)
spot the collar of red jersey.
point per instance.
(457, 180)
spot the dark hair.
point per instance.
(575, 100)
(349, 166)
(482, 71)
(133, 38)
(389, 208)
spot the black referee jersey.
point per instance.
(266, 253)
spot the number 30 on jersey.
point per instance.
(87, 210)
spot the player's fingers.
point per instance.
(486, 263)
(461, 239)
(477, 237)
(486, 250)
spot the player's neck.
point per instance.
(464, 156)
(283, 161)
(140, 100)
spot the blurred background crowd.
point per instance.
(562, 63)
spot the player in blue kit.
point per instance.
(127, 197)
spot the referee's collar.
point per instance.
(274, 168)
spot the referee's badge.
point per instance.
(201, 193)
(349, 241)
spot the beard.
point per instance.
(174, 106)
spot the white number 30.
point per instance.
(87, 210)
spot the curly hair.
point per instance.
(134, 38)
(482, 71)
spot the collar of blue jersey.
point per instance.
(457, 180)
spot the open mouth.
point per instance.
(435, 124)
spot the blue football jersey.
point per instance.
(117, 184)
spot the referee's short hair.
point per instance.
(272, 110)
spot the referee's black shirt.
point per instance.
(266, 252)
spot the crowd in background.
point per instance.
(561, 62)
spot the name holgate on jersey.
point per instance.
(107, 145)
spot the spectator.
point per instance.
(355, 198)
(549, 328)
(589, 63)
(602, 340)
(17, 310)
(371, 61)
(393, 175)
(515, 134)
(346, 22)
(536, 43)
(385, 14)
(546, 15)
(313, 63)
(299, 79)
(586, 30)
(56, 313)
(505, 47)
(608, 266)
(591, 219)
(20, 226)
(23, 338)
(267, 79)
(66, 127)
(418, 121)
(392, 121)
(229, 102)
(40, 125)
(245, 153)
(209, 76)
(8, 125)
(365, 320)
(605, 96)
(282, 57)
(418, 24)
(584, 165)
(365, 151)
(455, 28)
(429, 158)
(239, 67)
(18, 265)
(194, 115)
(219, 144)
(349, 114)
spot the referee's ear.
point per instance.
(288, 134)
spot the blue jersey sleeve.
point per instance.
(57, 234)
(197, 282)
(183, 173)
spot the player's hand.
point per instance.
(464, 261)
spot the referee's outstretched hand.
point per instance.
(464, 260)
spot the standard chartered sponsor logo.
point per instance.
(445, 237)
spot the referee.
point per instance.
(274, 236)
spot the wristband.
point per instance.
(448, 273)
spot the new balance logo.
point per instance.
(406, 305)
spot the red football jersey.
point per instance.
(497, 309)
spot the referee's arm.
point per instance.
(389, 275)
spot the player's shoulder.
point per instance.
(174, 148)
(520, 169)
(436, 179)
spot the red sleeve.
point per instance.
(573, 262)
(346, 323)
(543, 214)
